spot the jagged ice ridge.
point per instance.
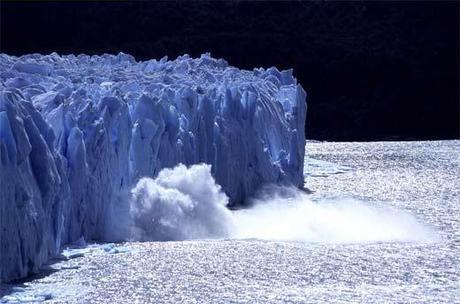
(77, 133)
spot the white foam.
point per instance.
(181, 203)
(186, 203)
(289, 214)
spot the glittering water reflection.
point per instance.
(419, 177)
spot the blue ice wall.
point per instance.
(77, 132)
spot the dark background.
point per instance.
(372, 70)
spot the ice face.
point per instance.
(77, 132)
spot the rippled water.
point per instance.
(421, 178)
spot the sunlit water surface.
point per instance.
(382, 225)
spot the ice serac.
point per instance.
(77, 132)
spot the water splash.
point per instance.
(186, 203)
(181, 203)
(289, 214)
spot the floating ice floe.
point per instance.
(321, 168)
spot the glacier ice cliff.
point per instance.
(77, 132)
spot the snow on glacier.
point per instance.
(78, 132)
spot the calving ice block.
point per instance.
(78, 132)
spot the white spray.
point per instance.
(181, 203)
(186, 203)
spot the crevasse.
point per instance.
(77, 132)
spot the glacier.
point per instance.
(78, 132)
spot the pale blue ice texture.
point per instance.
(77, 132)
